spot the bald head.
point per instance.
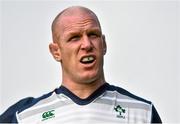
(70, 11)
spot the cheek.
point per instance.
(99, 47)
(68, 55)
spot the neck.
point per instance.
(83, 90)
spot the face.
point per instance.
(81, 47)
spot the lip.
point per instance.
(88, 64)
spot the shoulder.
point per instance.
(9, 115)
(128, 96)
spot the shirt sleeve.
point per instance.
(155, 118)
(9, 116)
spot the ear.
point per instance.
(104, 44)
(55, 51)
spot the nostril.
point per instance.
(87, 45)
(87, 48)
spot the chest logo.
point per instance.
(121, 111)
(47, 115)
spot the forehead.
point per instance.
(77, 22)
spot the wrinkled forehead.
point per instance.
(73, 22)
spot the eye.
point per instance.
(74, 38)
(93, 35)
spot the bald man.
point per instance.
(83, 96)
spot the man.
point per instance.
(84, 96)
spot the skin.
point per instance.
(76, 34)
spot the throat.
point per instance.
(83, 94)
(83, 91)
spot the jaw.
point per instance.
(85, 75)
(80, 73)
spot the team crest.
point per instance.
(120, 111)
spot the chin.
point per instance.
(89, 81)
(90, 78)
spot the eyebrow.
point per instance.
(94, 30)
(79, 32)
(69, 34)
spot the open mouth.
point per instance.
(87, 59)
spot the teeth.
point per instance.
(87, 59)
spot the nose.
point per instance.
(86, 44)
